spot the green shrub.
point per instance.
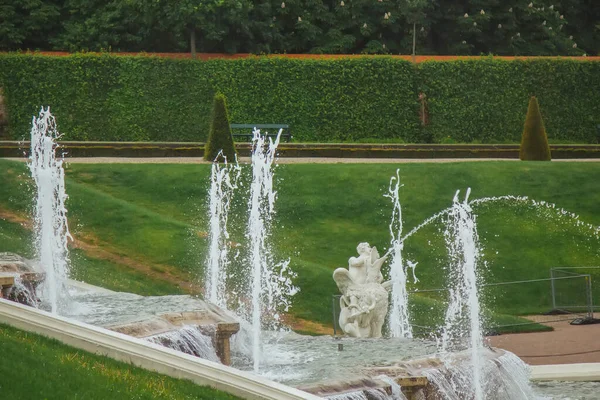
(219, 136)
(534, 142)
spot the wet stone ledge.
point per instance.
(325, 150)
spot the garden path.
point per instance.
(566, 344)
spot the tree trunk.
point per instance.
(193, 43)
(3, 117)
(414, 52)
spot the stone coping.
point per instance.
(331, 150)
(423, 146)
(583, 372)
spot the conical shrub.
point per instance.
(534, 142)
(219, 136)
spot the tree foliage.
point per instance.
(205, 25)
(28, 23)
(508, 27)
(97, 25)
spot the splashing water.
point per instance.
(271, 283)
(399, 321)
(507, 378)
(24, 293)
(51, 229)
(396, 389)
(223, 182)
(463, 320)
(426, 222)
(514, 375)
(188, 340)
(540, 206)
(367, 394)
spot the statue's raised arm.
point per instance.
(374, 254)
(374, 271)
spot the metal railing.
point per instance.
(570, 297)
(560, 273)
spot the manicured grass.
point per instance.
(116, 277)
(35, 367)
(15, 238)
(156, 214)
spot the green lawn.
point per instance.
(17, 239)
(35, 367)
(156, 214)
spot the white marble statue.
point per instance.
(364, 301)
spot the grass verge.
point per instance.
(35, 367)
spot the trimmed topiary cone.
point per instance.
(219, 136)
(534, 142)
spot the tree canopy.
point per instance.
(470, 27)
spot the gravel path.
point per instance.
(566, 344)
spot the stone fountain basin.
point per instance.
(211, 321)
(407, 375)
(19, 277)
(19, 271)
(410, 375)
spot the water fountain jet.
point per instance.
(223, 182)
(51, 228)
(399, 318)
(463, 319)
(271, 282)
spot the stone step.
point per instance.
(411, 385)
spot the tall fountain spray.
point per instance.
(51, 229)
(399, 321)
(223, 182)
(463, 319)
(271, 282)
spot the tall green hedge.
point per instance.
(485, 100)
(104, 97)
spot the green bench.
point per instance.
(273, 130)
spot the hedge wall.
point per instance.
(103, 97)
(486, 100)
